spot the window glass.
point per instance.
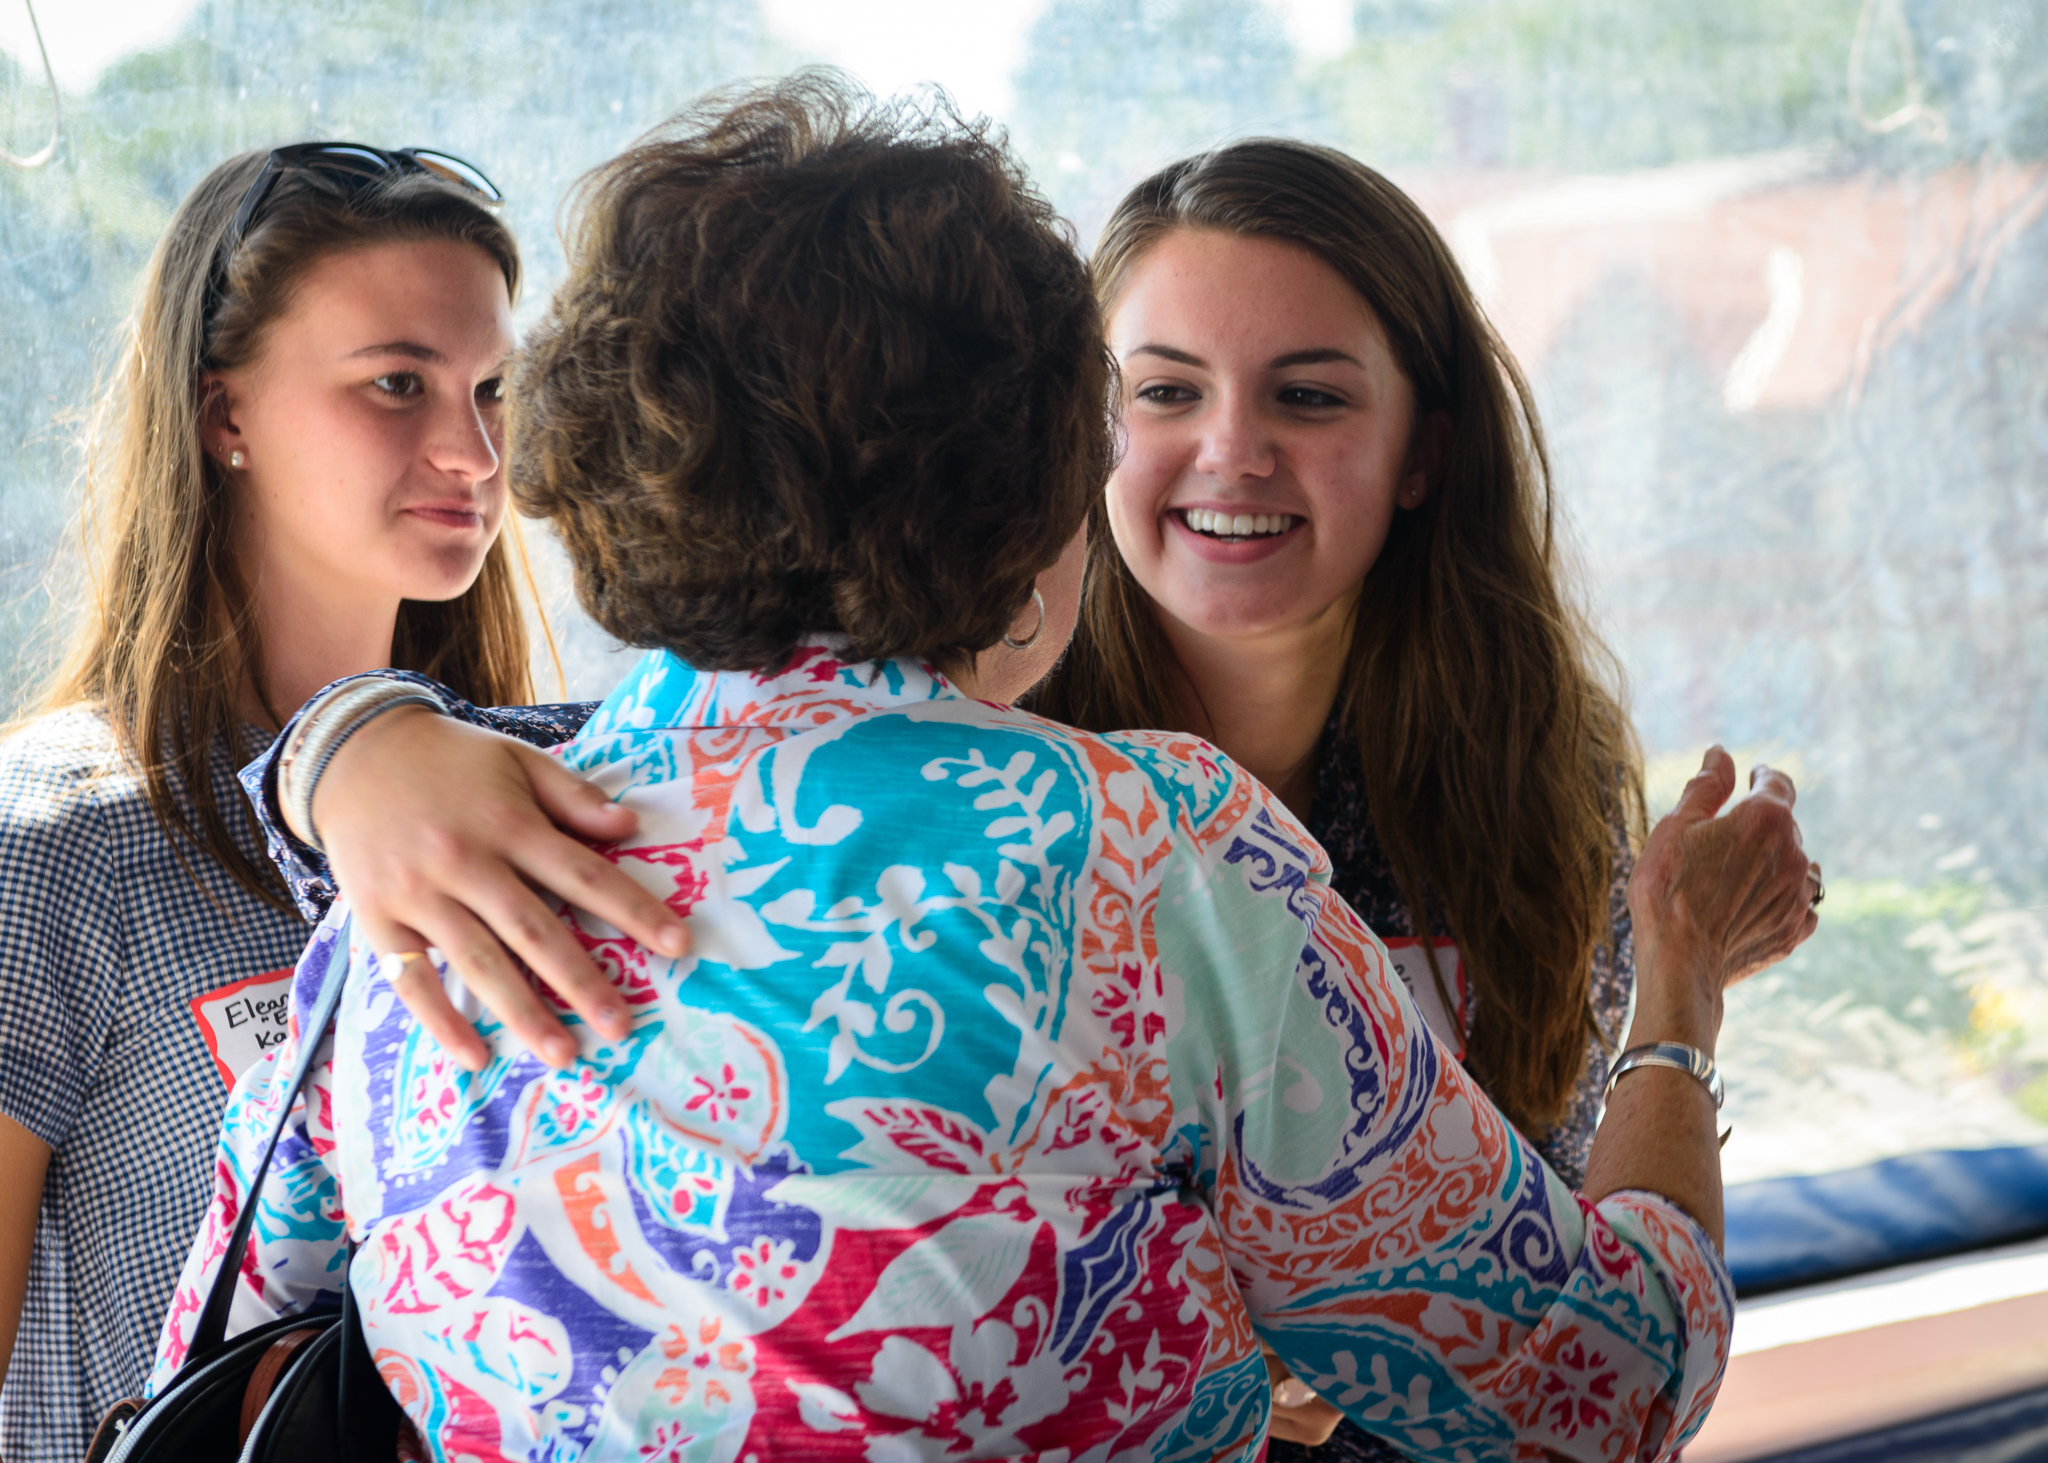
(1776, 271)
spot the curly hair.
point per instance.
(820, 364)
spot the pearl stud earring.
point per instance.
(235, 458)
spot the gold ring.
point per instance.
(405, 958)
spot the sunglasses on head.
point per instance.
(351, 165)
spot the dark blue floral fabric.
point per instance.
(304, 869)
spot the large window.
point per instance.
(1779, 273)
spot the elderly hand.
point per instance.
(1717, 898)
(440, 834)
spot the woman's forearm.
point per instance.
(1715, 897)
(24, 1159)
(1659, 1132)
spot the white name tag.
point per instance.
(1413, 967)
(243, 1021)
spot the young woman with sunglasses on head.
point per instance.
(297, 477)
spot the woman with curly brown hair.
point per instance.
(1328, 548)
(1018, 1079)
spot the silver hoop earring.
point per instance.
(1036, 630)
(236, 459)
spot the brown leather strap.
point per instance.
(269, 1367)
(108, 1434)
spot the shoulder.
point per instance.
(1197, 779)
(1192, 778)
(57, 773)
(70, 743)
(1211, 804)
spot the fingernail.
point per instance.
(560, 1050)
(614, 1022)
(675, 940)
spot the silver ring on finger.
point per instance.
(1292, 1392)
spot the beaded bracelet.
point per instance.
(326, 723)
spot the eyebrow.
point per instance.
(410, 348)
(1321, 356)
(1167, 352)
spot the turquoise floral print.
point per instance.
(1018, 1082)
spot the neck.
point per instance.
(310, 636)
(1264, 699)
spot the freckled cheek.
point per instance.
(1126, 500)
(494, 509)
(1143, 482)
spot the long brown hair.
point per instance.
(169, 640)
(1494, 754)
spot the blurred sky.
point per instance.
(889, 44)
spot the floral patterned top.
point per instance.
(1019, 1081)
(1339, 820)
(1360, 872)
(1342, 823)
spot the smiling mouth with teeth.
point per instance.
(1236, 527)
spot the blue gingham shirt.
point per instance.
(105, 940)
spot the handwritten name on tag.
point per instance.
(1412, 966)
(243, 1021)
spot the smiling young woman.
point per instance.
(1298, 346)
(1328, 548)
(1270, 440)
(298, 476)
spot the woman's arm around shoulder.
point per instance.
(303, 865)
(1408, 1254)
(440, 830)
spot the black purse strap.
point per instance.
(213, 1320)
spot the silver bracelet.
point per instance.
(1676, 1055)
(326, 723)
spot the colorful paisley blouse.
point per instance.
(1020, 1079)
